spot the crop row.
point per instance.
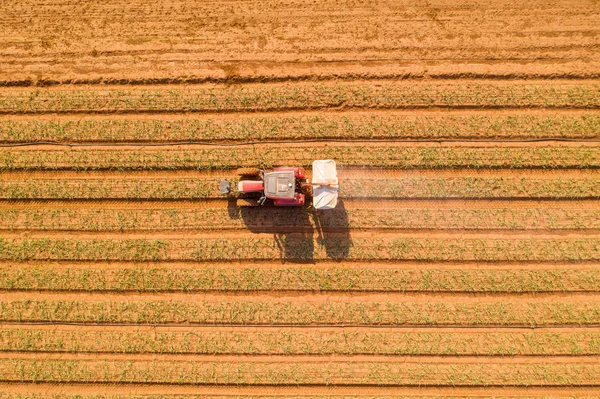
(302, 96)
(302, 246)
(286, 219)
(472, 187)
(94, 188)
(361, 278)
(266, 156)
(255, 311)
(399, 188)
(302, 127)
(317, 342)
(300, 373)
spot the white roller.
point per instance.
(325, 184)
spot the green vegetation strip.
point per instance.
(301, 373)
(307, 278)
(471, 187)
(391, 156)
(389, 188)
(253, 311)
(100, 188)
(302, 96)
(286, 219)
(303, 343)
(300, 246)
(302, 127)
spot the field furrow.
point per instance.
(275, 97)
(297, 126)
(285, 342)
(74, 391)
(35, 392)
(399, 188)
(229, 217)
(302, 246)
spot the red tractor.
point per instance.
(287, 186)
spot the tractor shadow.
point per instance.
(296, 231)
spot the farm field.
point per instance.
(462, 260)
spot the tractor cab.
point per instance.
(287, 186)
(280, 185)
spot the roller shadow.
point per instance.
(294, 230)
(333, 231)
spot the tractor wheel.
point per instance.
(250, 172)
(306, 188)
(246, 202)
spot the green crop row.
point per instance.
(302, 127)
(339, 278)
(303, 246)
(472, 187)
(399, 188)
(392, 155)
(252, 311)
(304, 96)
(287, 219)
(136, 188)
(392, 373)
(318, 342)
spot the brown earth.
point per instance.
(183, 40)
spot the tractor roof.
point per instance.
(280, 185)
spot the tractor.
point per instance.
(286, 186)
